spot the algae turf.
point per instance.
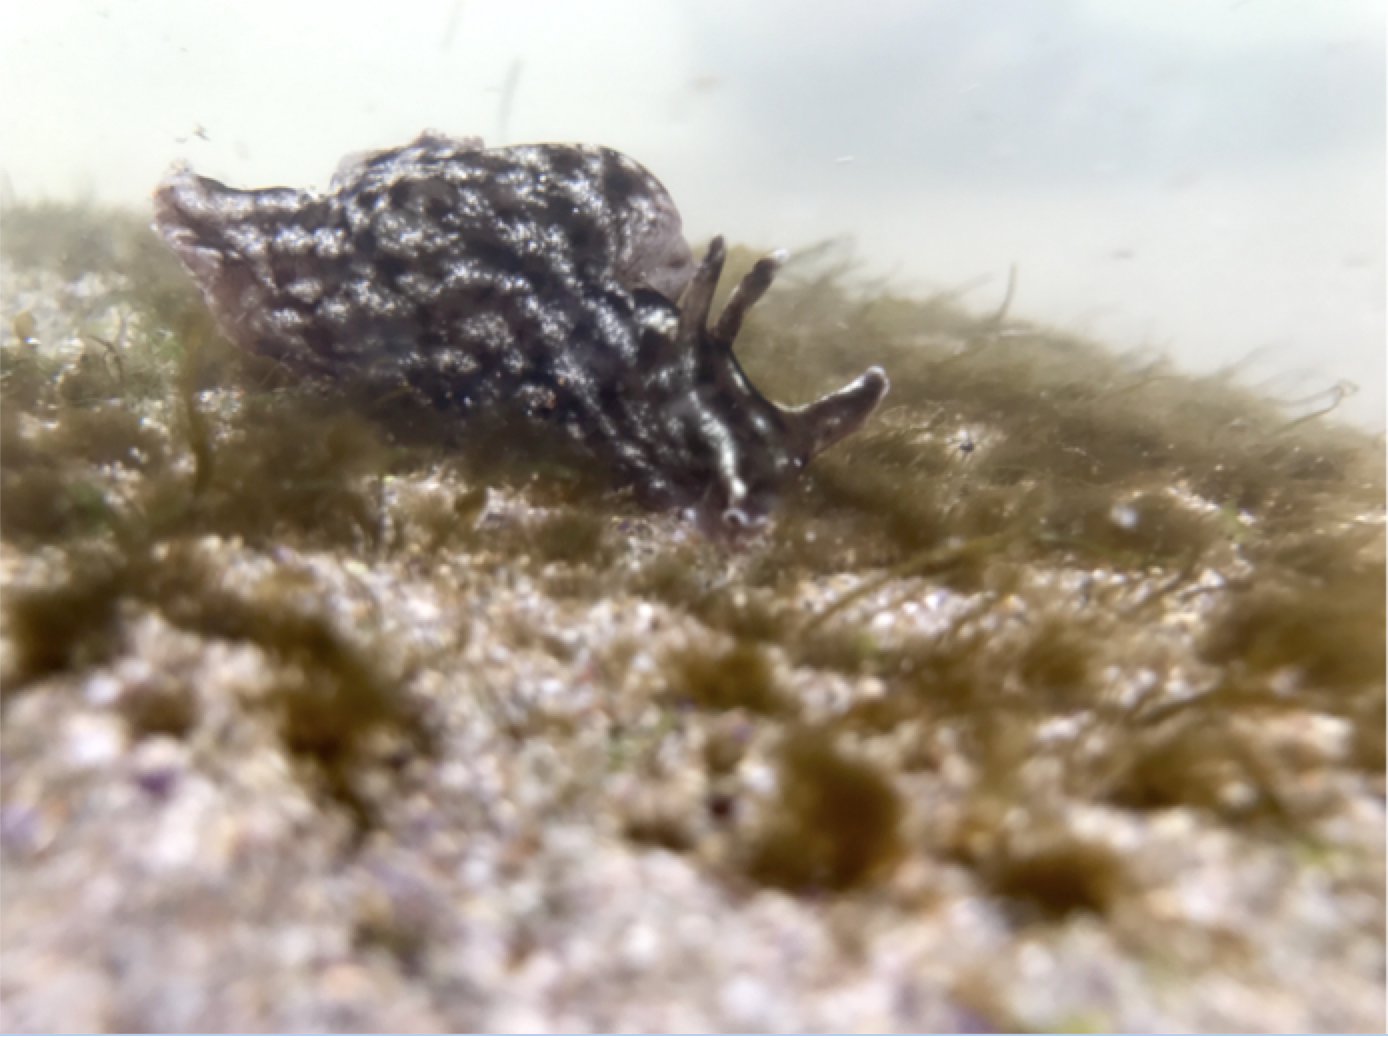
(330, 698)
(740, 677)
(836, 822)
(1151, 564)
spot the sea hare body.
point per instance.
(553, 278)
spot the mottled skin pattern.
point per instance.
(539, 276)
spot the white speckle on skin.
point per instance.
(306, 290)
(293, 240)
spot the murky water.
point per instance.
(1203, 179)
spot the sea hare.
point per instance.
(550, 278)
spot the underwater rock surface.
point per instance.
(1054, 700)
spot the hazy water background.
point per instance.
(1201, 177)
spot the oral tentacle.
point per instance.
(825, 422)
